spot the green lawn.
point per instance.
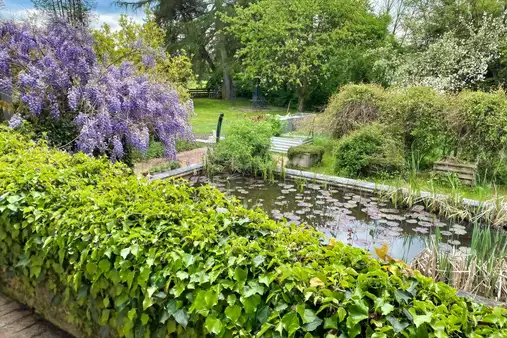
(423, 181)
(207, 111)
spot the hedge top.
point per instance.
(150, 259)
(310, 149)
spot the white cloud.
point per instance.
(112, 19)
(98, 18)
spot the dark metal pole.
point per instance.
(219, 126)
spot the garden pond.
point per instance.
(358, 219)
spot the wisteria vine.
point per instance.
(54, 71)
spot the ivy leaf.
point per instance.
(131, 314)
(290, 322)
(357, 313)
(331, 322)
(258, 260)
(402, 296)
(124, 253)
(342, 313)
(151, 290)
(181, 317)
(387, 309)
(397, 325)
(213, 325)
(147, 302)
(240, 274)
(104, 316)
(250, 304)
(104, 265)
(315, 281)
(145, 318)
(233, 312)
(313, 324)
(231, 299)
(419, 319)
(91, 268)
(134, 249)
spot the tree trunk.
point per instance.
(301, 92)
(224, 57)
(301, 103)
(227, 89)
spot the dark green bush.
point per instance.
(121, 256)
(352, 107)
(419, 115)
(313, 150)
(244, 150)
(478, 122)
(369, 151)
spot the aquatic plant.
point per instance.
(480, 270)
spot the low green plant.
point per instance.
(244, 150)
(121, 256)
(164, 167)
(278, 126)
(369, 151)
(312, 150)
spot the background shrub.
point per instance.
(418, 114)
(369, 151)
(244, 150)
(122, 256)
(352, 107)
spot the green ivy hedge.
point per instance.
(129, 257)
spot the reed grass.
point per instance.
(481, 271)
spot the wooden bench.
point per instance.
(464, 171)
(205, 92)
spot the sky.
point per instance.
(106, 12)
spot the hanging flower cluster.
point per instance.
(54, 71)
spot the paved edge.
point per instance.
(20, 321)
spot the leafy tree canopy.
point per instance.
(291, 43)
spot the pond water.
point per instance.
(358, 219)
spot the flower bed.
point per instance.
(125, 256)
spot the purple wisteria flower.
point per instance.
(57, 74)
(15, 121)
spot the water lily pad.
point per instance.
(417, 208)
(454, 242)
(411, 220)
(421, 230)
(465, 249)
(446, 233)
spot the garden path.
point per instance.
(18, 321)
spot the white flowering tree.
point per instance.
(450, 63)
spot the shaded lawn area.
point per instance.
(207, 111)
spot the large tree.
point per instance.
(196, 26)
(292, 43)
(76, 12)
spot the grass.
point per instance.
(481, 271)
(423, 180)
(207, 112)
